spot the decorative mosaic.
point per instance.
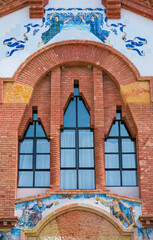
(89, 19)
(30, 213)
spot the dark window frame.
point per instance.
(120, 152)
(77, 148)
(33, 154)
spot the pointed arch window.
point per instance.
(34, 156)
(120, 155)
(77, 146)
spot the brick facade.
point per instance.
(101, 79)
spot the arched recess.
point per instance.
(121, 70)
(79, 221)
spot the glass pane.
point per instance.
(111, 161)
(127, 145)
(76, 91)
(30, 131)
(118, 116)
(83, 115)
(86, 158)
(124, 132)
(111, 145)
(114, 130)
(39, 131)
(70, 114)
(68, 179)
(113, 178)
(129, 178)
(26, 146)
(86, 179)
(35, 115)
(128, 161)
(68, 138)
(42, 161)
(67, 158)
(42, 179)
(25, 161)
(25, 179)
(43, 146)
(85, 138)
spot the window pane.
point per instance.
(26, 146)
(43, 146)
(67, 158)
(86, 158)
(25, 179)
(128, 161)
(39, 131)
(42, 179)
(118, 116)
(113, 178)
(111, 145)
(70, 114)
(68, 138)
(86, 179)
(127, 145)
(76, 91)
(25, 161)
(35, 115)
(42, 161)
(111, 161)
(124, 132)
(129, 178)
(30, 131)
(85, 138)
(83, 115)
(114, 130)
(68, 179)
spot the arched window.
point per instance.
(77, 147)
(34, 157)
(120, 155)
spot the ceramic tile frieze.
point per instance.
(30, 213)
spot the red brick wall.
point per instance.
(143, 116)
(40, 99)
(10, 117)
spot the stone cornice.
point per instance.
(147, 221)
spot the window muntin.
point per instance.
(34, 157)
(77, 147)
(120, 155)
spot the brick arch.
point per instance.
(121, 70)
(76, 219)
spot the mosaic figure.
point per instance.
(37, 209)
(145, 233)
(6, 235)
(25, 216)
(96, 28)
(53, 30)
(121, 212)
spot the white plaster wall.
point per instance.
(127, 191)
(12, 25)
(25, 192)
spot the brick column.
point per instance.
(55, 129)
(99, 128)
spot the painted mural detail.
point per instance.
(31, 216)
(124, 214)
(145, 233)
(30, 213)
(14, 234)
(92, 20)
